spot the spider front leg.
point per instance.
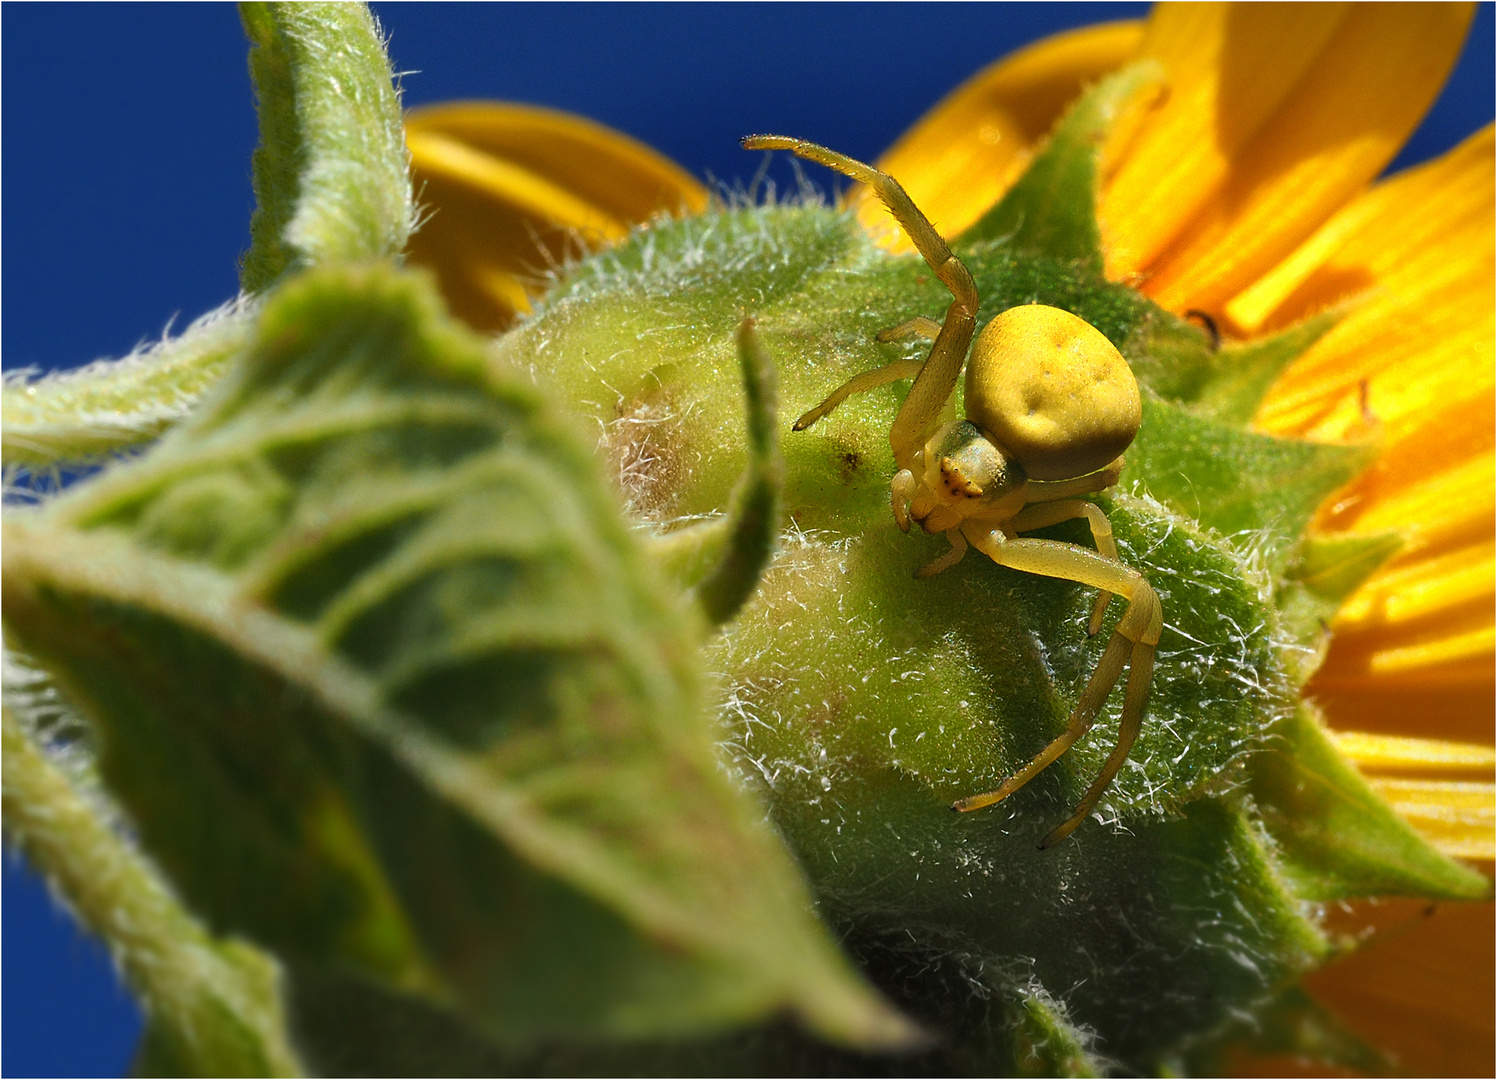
(1132, 644)
(1044, 514)
(937, 377)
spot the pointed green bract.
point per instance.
(1292, 1024)
(1047, 1044)
(752, 526)
(1051, 209)
(1325, 571)
(371, 614)
(1337, 838)
(331, 173)
(1258, 490)
(1228, 384)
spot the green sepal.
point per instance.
(1327, 568)
(1029, 1035)
(1228, 384)
(1258, 490)
(110, 406)
(1338, 839)
(387, 686)
(331, 173)
(1292, 1024)
(1051, 209)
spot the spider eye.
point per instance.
(972, 467)
(958, 483)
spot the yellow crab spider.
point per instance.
(1051, 406)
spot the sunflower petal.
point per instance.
(1406, 217)
(528, 192)
(1459, 818)
(1427, 587)
(1392, 753)
(516, 190)
(962, 155)
(1410, 366)
(1420, 989)
(1371, 82)
(1420, 249)
(1187, 150)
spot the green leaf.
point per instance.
(387, 686)
(214, 1005)
(110, 406)
(1051, 209)
(350, 1028)
(1338, 839)
(1258, 490)
(331, 173)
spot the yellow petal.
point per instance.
(1343, 121)
(1446, 648)
(1446, 504)
(606, 168)
(1421, 988)
(1419, 251)
(1228, 67)
(1392, 753)
(1410, 367)
(1454, 702)
(1406, 217)
(1459, 818)
(507, 183)
(1421, 589)
(962, 155)
(1434, 486)
(512, 192)
(1418, 651)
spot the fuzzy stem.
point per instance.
(217, 1002)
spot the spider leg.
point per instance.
(1041, 515)
(1051, 490)
(937, 378)
(1132, 643)
(902, 489)
(948, 560)
(920, 326)
(1135, 697)
(858, 384)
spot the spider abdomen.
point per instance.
(1052, 390)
